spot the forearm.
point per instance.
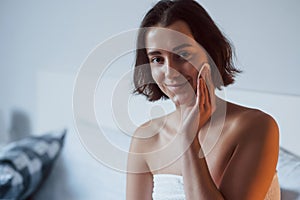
(198, 183)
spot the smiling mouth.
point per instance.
(176, 86)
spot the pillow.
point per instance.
(288, 168)
(26, 162)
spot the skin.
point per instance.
(241, 163)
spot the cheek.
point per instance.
(195, 78)
(157, 75)
(191, 72)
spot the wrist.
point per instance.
(194, 149)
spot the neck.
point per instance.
(220, 109)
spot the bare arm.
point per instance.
(253, 164)
(139, 186)
(249, 173)
(198, 183)
(139, 178)
(251, 168)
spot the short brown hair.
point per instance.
(218, 47)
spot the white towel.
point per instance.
(168, 187)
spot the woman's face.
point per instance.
(175, 60)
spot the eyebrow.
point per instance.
(182, 46)
(174, 49)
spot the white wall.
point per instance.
(51, 36)
(41, 37)
(266, 37)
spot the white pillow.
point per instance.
(288, 168)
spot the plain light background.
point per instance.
(41, 40)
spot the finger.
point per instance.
(198, 89)
(202, 94)
(207, 96)
(211, 89)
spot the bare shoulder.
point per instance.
(255, 138)
(141, 144)
(255, 124)
(146, 136)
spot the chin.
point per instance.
(183, 100)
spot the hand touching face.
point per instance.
(175, 59)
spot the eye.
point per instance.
(156, 60)
(185, 55)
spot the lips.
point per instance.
(175, 87)
(177, 84)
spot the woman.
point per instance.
(185, 154)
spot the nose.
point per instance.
(171, 69)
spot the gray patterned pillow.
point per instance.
(25, 163)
